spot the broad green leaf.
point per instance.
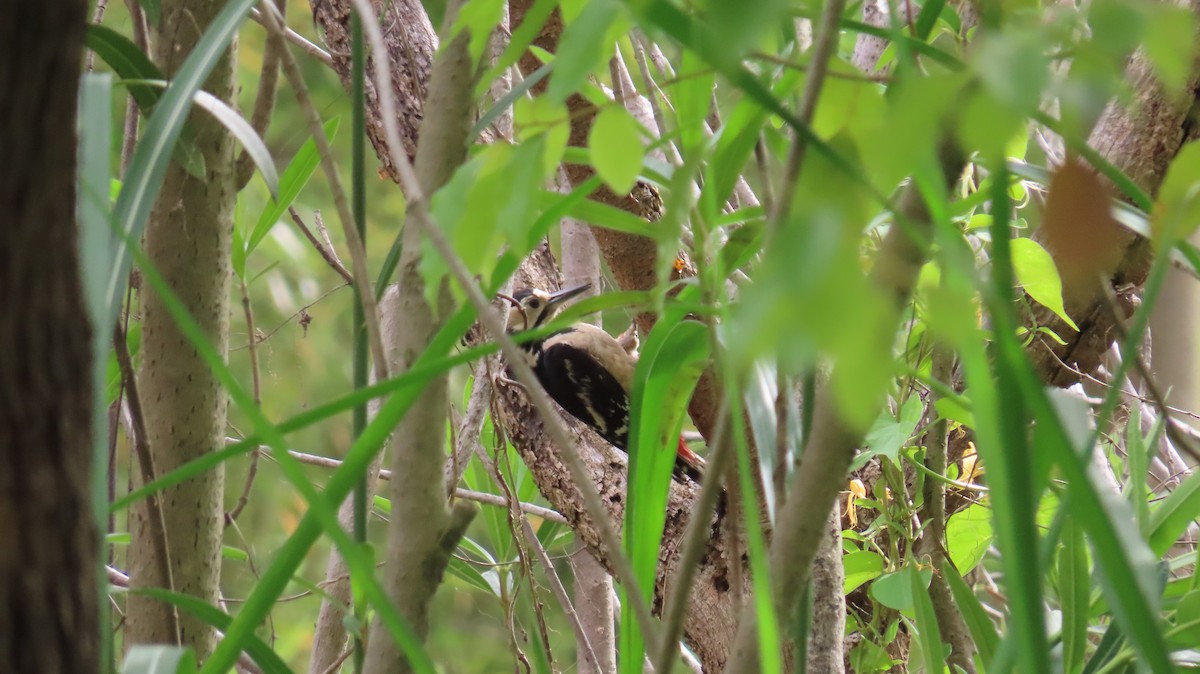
(860, 566)
(1036, 271)
(1170, 44)
(895, 589)
(968, 536)
(615, 144)
(889, 434)
(542, 115)
(291, 183)
(585, 45)
(148, 167)
(480, 18)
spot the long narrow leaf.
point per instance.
(212, 616)
(293, 180)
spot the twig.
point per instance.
(932, 516)
(298, 40)
(141, 446)
(471, 425)
(1179, 439)
(325, 249)
(419, 210)
(465, 494)
(97, 18)
(244, 498)
(299, 312)
(358, 256)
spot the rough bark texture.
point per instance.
(825, 652)
(710, 623)
(1141, 139)
(49, 615)
(188, 240)
(411, 43)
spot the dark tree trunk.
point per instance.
(48, 595)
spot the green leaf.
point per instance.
(616, 148)
(543, 116)
(1074, 591)
(671, 362)
(1174, 515)
(214, 617)
(583, 47)
(928, 633)
(1037, 273)
(1170, 45)
(129, 62)
(968, 536)
(889, 434)
(159, 659)
(982, 629)
(237, 126)
(861, 566)
(291, 183)
(1176, 214)
(895, 590)
(1187, 612)
(148, 167)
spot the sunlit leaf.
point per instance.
(1039, 277)
(616, 148)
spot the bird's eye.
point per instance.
(534, 303)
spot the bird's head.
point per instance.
(533, 307)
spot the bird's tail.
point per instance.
(688, 462)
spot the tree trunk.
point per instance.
(188, 241)
(49, 608)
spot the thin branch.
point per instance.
(465, 494)
(419, 209)
(326, 250)
(244, 498)
(298, 40)
(932, 516)
(301, 312)
(1179, 439)
(145, 460)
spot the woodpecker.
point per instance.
(585, 370)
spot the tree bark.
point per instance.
(188, 240)
(49, 598)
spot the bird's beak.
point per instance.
(565, 294)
